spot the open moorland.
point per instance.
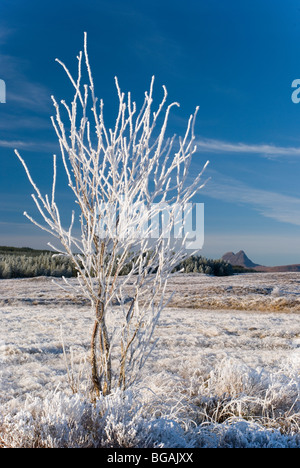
(224, 372)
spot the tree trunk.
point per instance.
(105, 357)
(101, 377)
(95, 375)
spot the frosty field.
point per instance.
(224, 373)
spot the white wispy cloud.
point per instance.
(219, 146)
(18, 122)
(14, 144)
(47, 146)
(5, 33)
(31, 96)
(20, 90)
(270, 204)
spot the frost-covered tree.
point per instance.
(130, 185)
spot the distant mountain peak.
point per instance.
(239, 259)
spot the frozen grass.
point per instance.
(218, 377)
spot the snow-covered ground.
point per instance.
(225, 371)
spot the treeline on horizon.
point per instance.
(25, 262)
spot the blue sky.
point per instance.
(235, 59)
